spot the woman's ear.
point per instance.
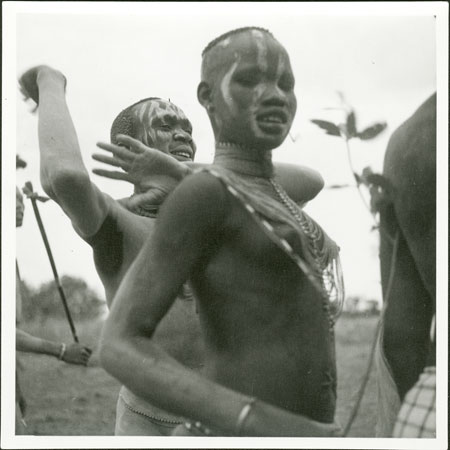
(204, 95)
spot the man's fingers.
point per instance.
(112, 161)
(133, 144)
(24, 92)
(118, 151)
(114, 175)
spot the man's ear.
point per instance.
(204, 95)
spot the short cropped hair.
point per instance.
(231, 33)
(125, 122)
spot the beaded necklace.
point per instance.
(330, 274)
(322, 271)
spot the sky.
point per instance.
(384, 65)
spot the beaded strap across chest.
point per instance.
(324, 273)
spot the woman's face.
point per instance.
(253, 100)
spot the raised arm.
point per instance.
(192, 218)
(64, 177)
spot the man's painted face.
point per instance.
(20, 208)
(252, 90)
(163, 126)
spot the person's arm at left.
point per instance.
(72, 353)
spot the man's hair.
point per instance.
(231, 33)
(125, 122)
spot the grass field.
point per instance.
(70, 400)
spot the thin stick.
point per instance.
(55, 272)
(363, 385)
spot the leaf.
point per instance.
(375, 179)
(20, 163)
(338, 186)
(365, 175)
(329, 127)
(351, 124)
(372, 131)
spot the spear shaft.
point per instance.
(52, 263)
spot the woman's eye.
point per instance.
(165, 127)
(248, 79)
(286, 83)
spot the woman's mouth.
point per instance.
(272, 121)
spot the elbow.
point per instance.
(108, 349)
(106, 356)
(317, 185)
(65, 183)
(320, 183)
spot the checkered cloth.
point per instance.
(417, 416)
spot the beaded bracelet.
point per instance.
(62, 352)
(198, 427)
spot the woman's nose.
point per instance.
(274, 96)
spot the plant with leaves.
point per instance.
(347, 131)
(43, 302)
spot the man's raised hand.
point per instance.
(146, 168)
(28, 81)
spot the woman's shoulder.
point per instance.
(198, 195)
(203, 182)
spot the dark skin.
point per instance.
(266, 334)
(410, 167)
(154, 172)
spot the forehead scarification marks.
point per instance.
(162, 104)
(225, 43)
(225, 84)
(282, 65)
(261, 49)
(144, 110)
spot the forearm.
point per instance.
(28, 343)
(128, 353)
(153, 375)
(60, 154)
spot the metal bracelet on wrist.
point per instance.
(243, 416)
(62, 352)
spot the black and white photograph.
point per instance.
(231, 225)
